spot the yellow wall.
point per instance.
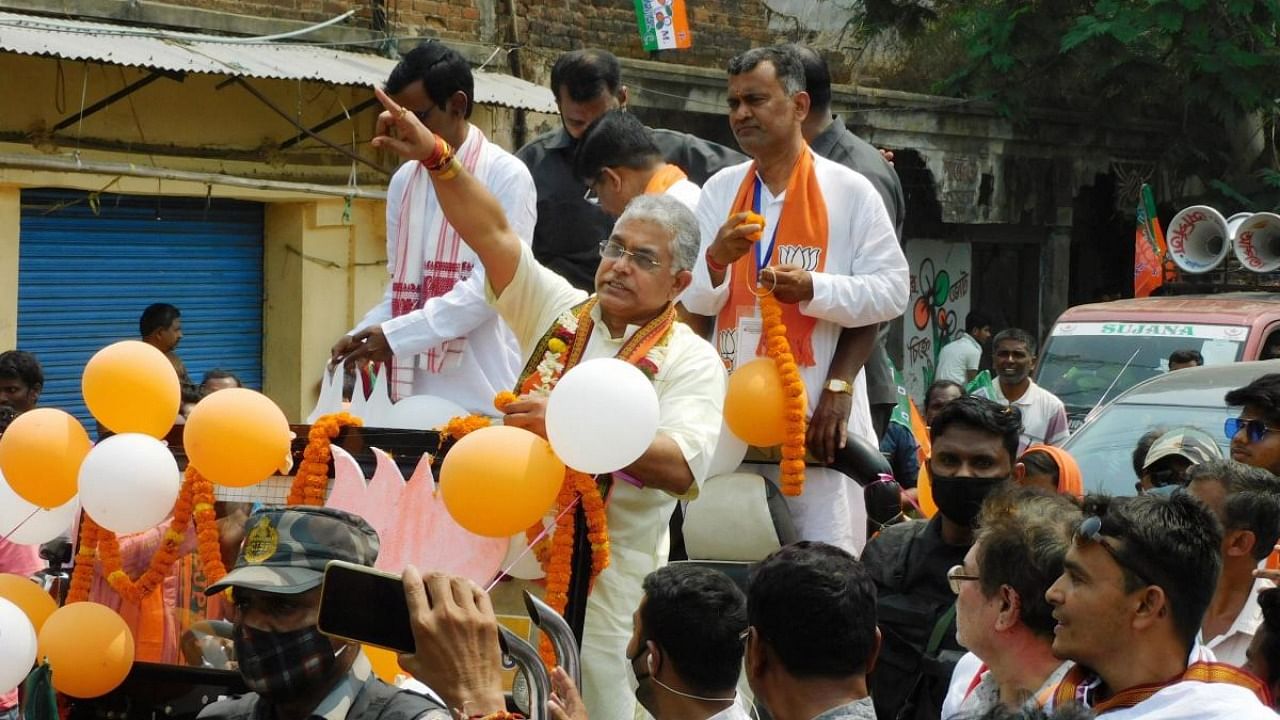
(10, 210)
(321, 274)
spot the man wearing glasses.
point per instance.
(1137, 580)
(646, 264)
(1002, 616)
(1255, 434)
(433, 324)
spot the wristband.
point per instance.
(440, 156)
(450, 170)
(713, 265)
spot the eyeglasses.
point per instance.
(1254, 428)
(611, 250)
(1091, 531)
(591, 196)
(422, 115)
(957, 575)
(1167, 476)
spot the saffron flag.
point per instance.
(1148, 248)
(664, 24)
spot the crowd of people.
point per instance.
(1020, 596)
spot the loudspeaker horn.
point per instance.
(1256, 241)
(1198, 239)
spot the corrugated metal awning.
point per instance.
(184, 52)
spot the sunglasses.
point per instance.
(957, 575)
(1090, 531)
(1255, 429)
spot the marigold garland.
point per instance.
(795, 412)
(312, 480)
(195, 498)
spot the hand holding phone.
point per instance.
(456, 632)
(365, 605)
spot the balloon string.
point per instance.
(546, 530)
(18, 527)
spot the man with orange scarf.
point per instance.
(645, 264)
(827, 253)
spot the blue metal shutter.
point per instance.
(88, 268)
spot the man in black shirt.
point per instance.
(975, 444)
(587, 84)
(829, 137)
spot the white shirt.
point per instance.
(1230, 646)
(1044, 418)
(864, 281)
(734, 712)
(687, 193)
(1195, 700)
(490, 361)
(690, 384)
(967, 700)
(956, 358)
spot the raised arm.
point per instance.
(468, 206)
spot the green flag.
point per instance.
(981, 386)
(902, 411)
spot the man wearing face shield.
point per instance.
(294, 671)
(975, 443)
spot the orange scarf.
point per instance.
(1070, 480)
(1077, 685)
(802, 224)
(663, 179)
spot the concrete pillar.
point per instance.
(1055, 273)
(323, 269)
(10, 222)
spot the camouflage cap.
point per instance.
(1193, 444)
(285, 549)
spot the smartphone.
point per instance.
(365, 605)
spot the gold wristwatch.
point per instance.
(837, 385)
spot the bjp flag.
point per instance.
(1149, 247)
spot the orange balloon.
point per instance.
(30, 597)
(89, 649)
(385, 664)
(754, 404)
(131, 387)
(40, 456)
(499, 480)
(236, 437)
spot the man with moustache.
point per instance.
(1044, 418)
(828, 254)
(975, 444)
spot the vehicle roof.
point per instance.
(1201, 386)
(1232, 308)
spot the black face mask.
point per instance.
(284, 666)
(960, 498)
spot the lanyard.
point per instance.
(762, 262)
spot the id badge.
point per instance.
(750, 328)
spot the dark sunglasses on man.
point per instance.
(1255, 429)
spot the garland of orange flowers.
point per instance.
(195, 499)
(312, 480)
(776, 346)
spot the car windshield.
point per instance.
(1104, 447)
(1079, 368)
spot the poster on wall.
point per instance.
(664, 25)
(940, 294)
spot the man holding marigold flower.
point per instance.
(826, 255)
(645, 265)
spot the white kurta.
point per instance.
(864, 281)
(690, 384)
(490, 360)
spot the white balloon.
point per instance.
(602, 415)
(730, 450)
(423, 412)
(18, 638)
(33, 529)
(129, 482)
